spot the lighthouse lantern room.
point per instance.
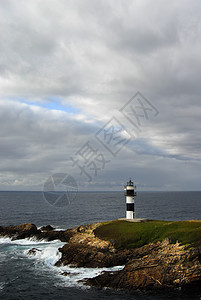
(129, 192)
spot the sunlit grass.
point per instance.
(128, 235)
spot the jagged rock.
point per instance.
(84, 249)
(52, 235)
(30, 231)
(33, 251)
(88, 256)
(155, 266)
(65, 273)
(20, 231)
(81, 229)
(47, 228)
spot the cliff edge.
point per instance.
(155, 254)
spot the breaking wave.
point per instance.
(47, 255)
(44, 259)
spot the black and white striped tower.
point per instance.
(129, 192)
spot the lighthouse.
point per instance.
(129, 192)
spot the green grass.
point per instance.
(128, 235)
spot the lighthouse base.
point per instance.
(136, 220)
(130, 215)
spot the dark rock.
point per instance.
(19, 231)
(81, 228)
(65, 273)
(47, 228)
(33, 251)
(91, 257)
(30, 231)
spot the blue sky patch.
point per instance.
(52, 104)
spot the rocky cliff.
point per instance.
(159, 265)
(156, 265)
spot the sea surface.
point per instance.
(26, 277)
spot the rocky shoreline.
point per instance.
(155, 266)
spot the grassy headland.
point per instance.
(129, 235)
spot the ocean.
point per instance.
(28, 277)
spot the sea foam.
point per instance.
(49, 254)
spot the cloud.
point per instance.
(67, 67)
(38, 140)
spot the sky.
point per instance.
(102, 91)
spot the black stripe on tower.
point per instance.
(130, 206)
(129, 192)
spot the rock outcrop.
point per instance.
(47, 228)
(19, 231)
(30, 231)
(33, 251)
(159, 265)
(84, 249)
